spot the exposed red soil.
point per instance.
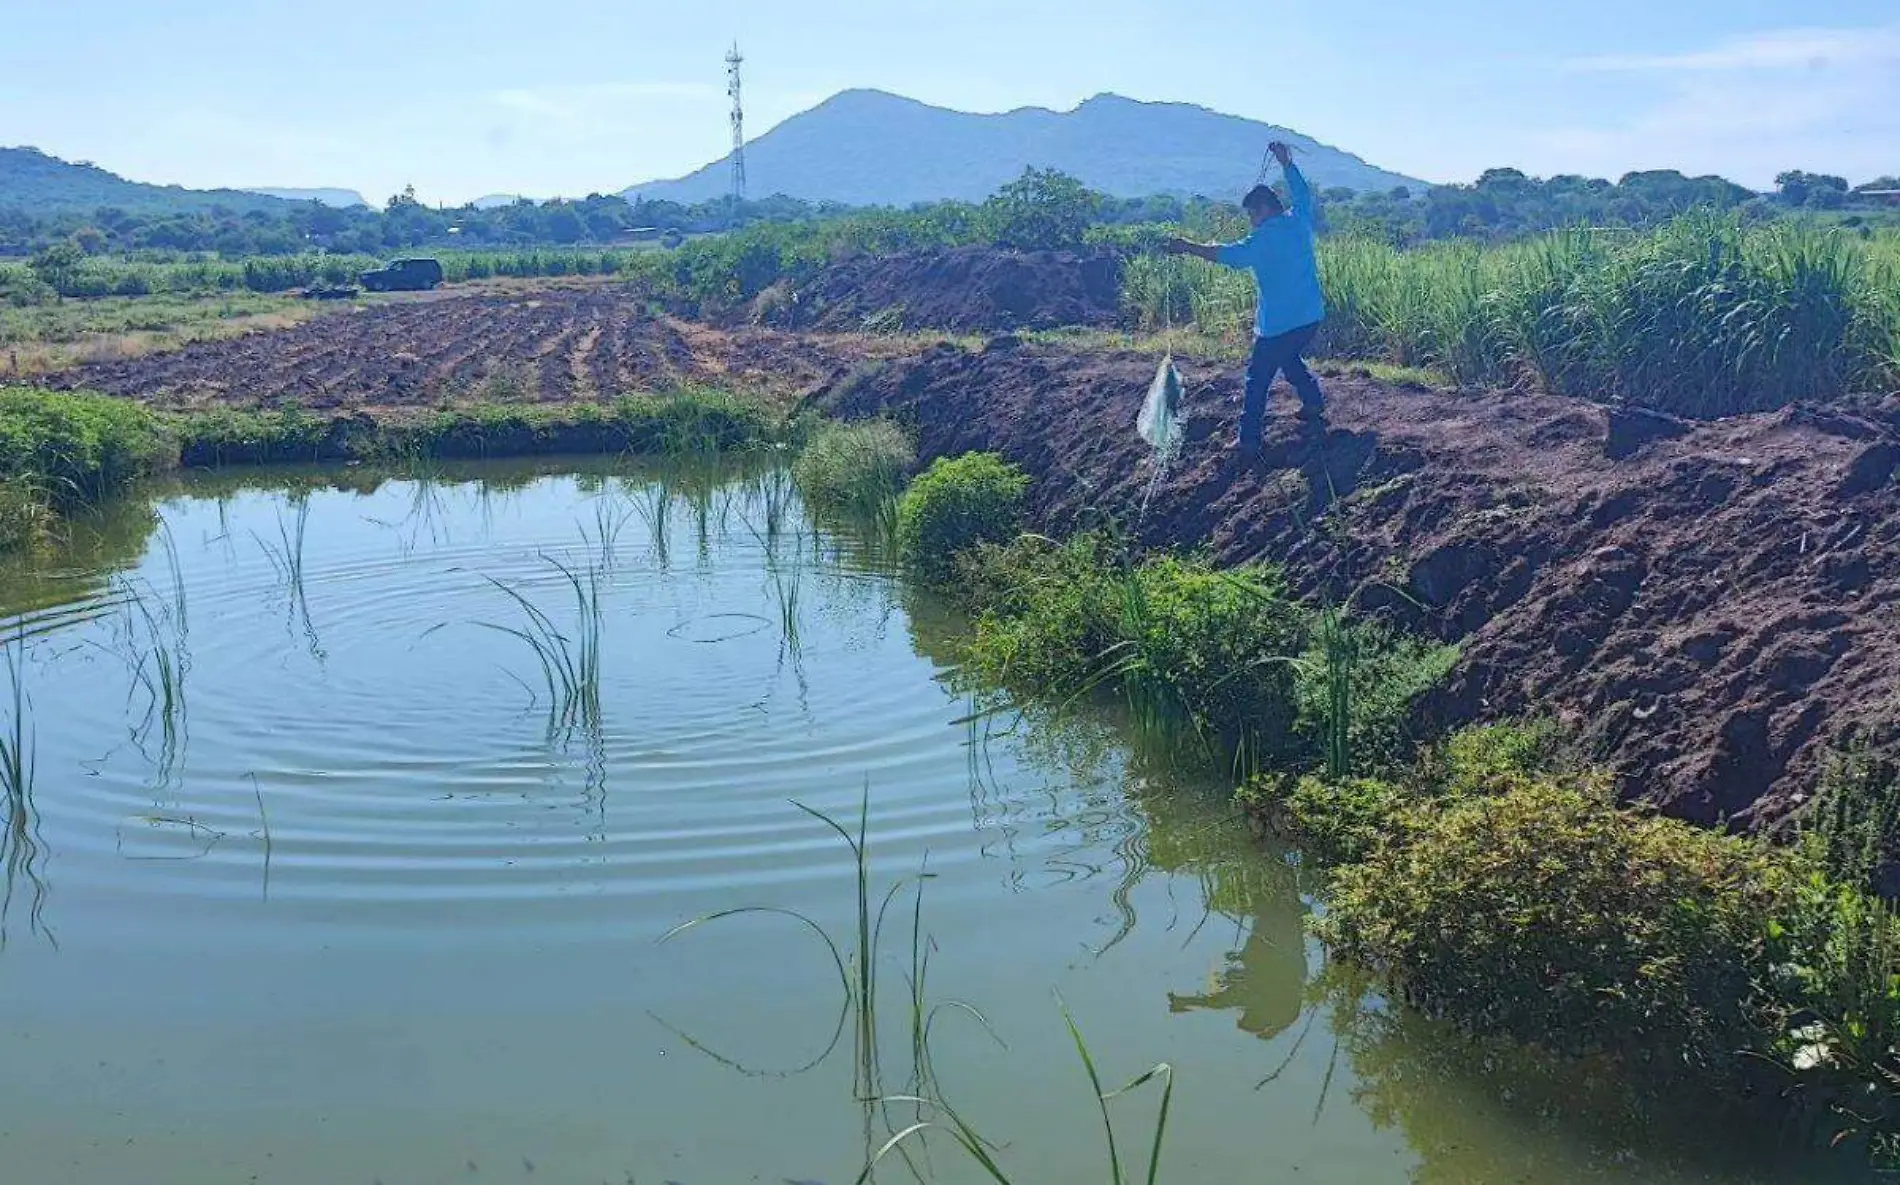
(554, 345)
(1714, 605)
(961, 289)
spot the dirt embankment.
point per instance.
(1713, 605)
(960, 289)
(555, 345)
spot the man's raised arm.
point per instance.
(1296, 187)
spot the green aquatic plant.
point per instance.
(655, 508)
(856, 471)
(286, 554)
(570, 665)
(856, 959)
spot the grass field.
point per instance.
(37, 339)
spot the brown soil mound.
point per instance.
(554, 345)
(962, 290)
(1714, 605)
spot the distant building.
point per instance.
(1889, 197)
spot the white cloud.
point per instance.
(1748, 107)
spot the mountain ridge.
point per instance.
(42, 184)
(339, 198)
(871, 147)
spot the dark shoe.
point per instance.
(1246, 450)
(1313, 413)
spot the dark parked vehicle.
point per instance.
(404, 275)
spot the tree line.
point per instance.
(1502, 204)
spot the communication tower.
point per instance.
(734, 59)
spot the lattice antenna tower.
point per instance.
(734, 59)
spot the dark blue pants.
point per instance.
(1279, 355)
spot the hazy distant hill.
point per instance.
(493, 200)
(340, 198)
(866, 147)
(40, 184)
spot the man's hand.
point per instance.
(1280, 152)
(1180, 246)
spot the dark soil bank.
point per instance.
(1714, 604)
(962, 289)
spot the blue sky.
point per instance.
(564, 97)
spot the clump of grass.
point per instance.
(855, 470)
(689, 423)
(956, 504)
(654, 505)
(63, 450)
(286, 555)
(570, 662)
(1225, 658)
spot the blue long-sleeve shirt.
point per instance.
(1281, 255)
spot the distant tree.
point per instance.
(57, 267)
(1042, 209)
(1798, 188)
(90, 240)
(563, 223)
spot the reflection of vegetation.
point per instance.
(20, 838)
(1450, 1093)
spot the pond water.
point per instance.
(316, 881)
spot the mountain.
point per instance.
(340, 198)
(493, 200)
(40, 184)
(867, 147)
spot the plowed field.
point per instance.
(556, 345)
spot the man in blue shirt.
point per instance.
(1280, 254)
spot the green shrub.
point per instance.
(77, 447)
(1048, 612)
(956, 504)
(1546, 913)
(1853, 827)
(1339, 821)
(1214, 648)
(854, 469)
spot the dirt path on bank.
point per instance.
(1713, 605)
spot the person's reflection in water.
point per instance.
(1265, 980)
